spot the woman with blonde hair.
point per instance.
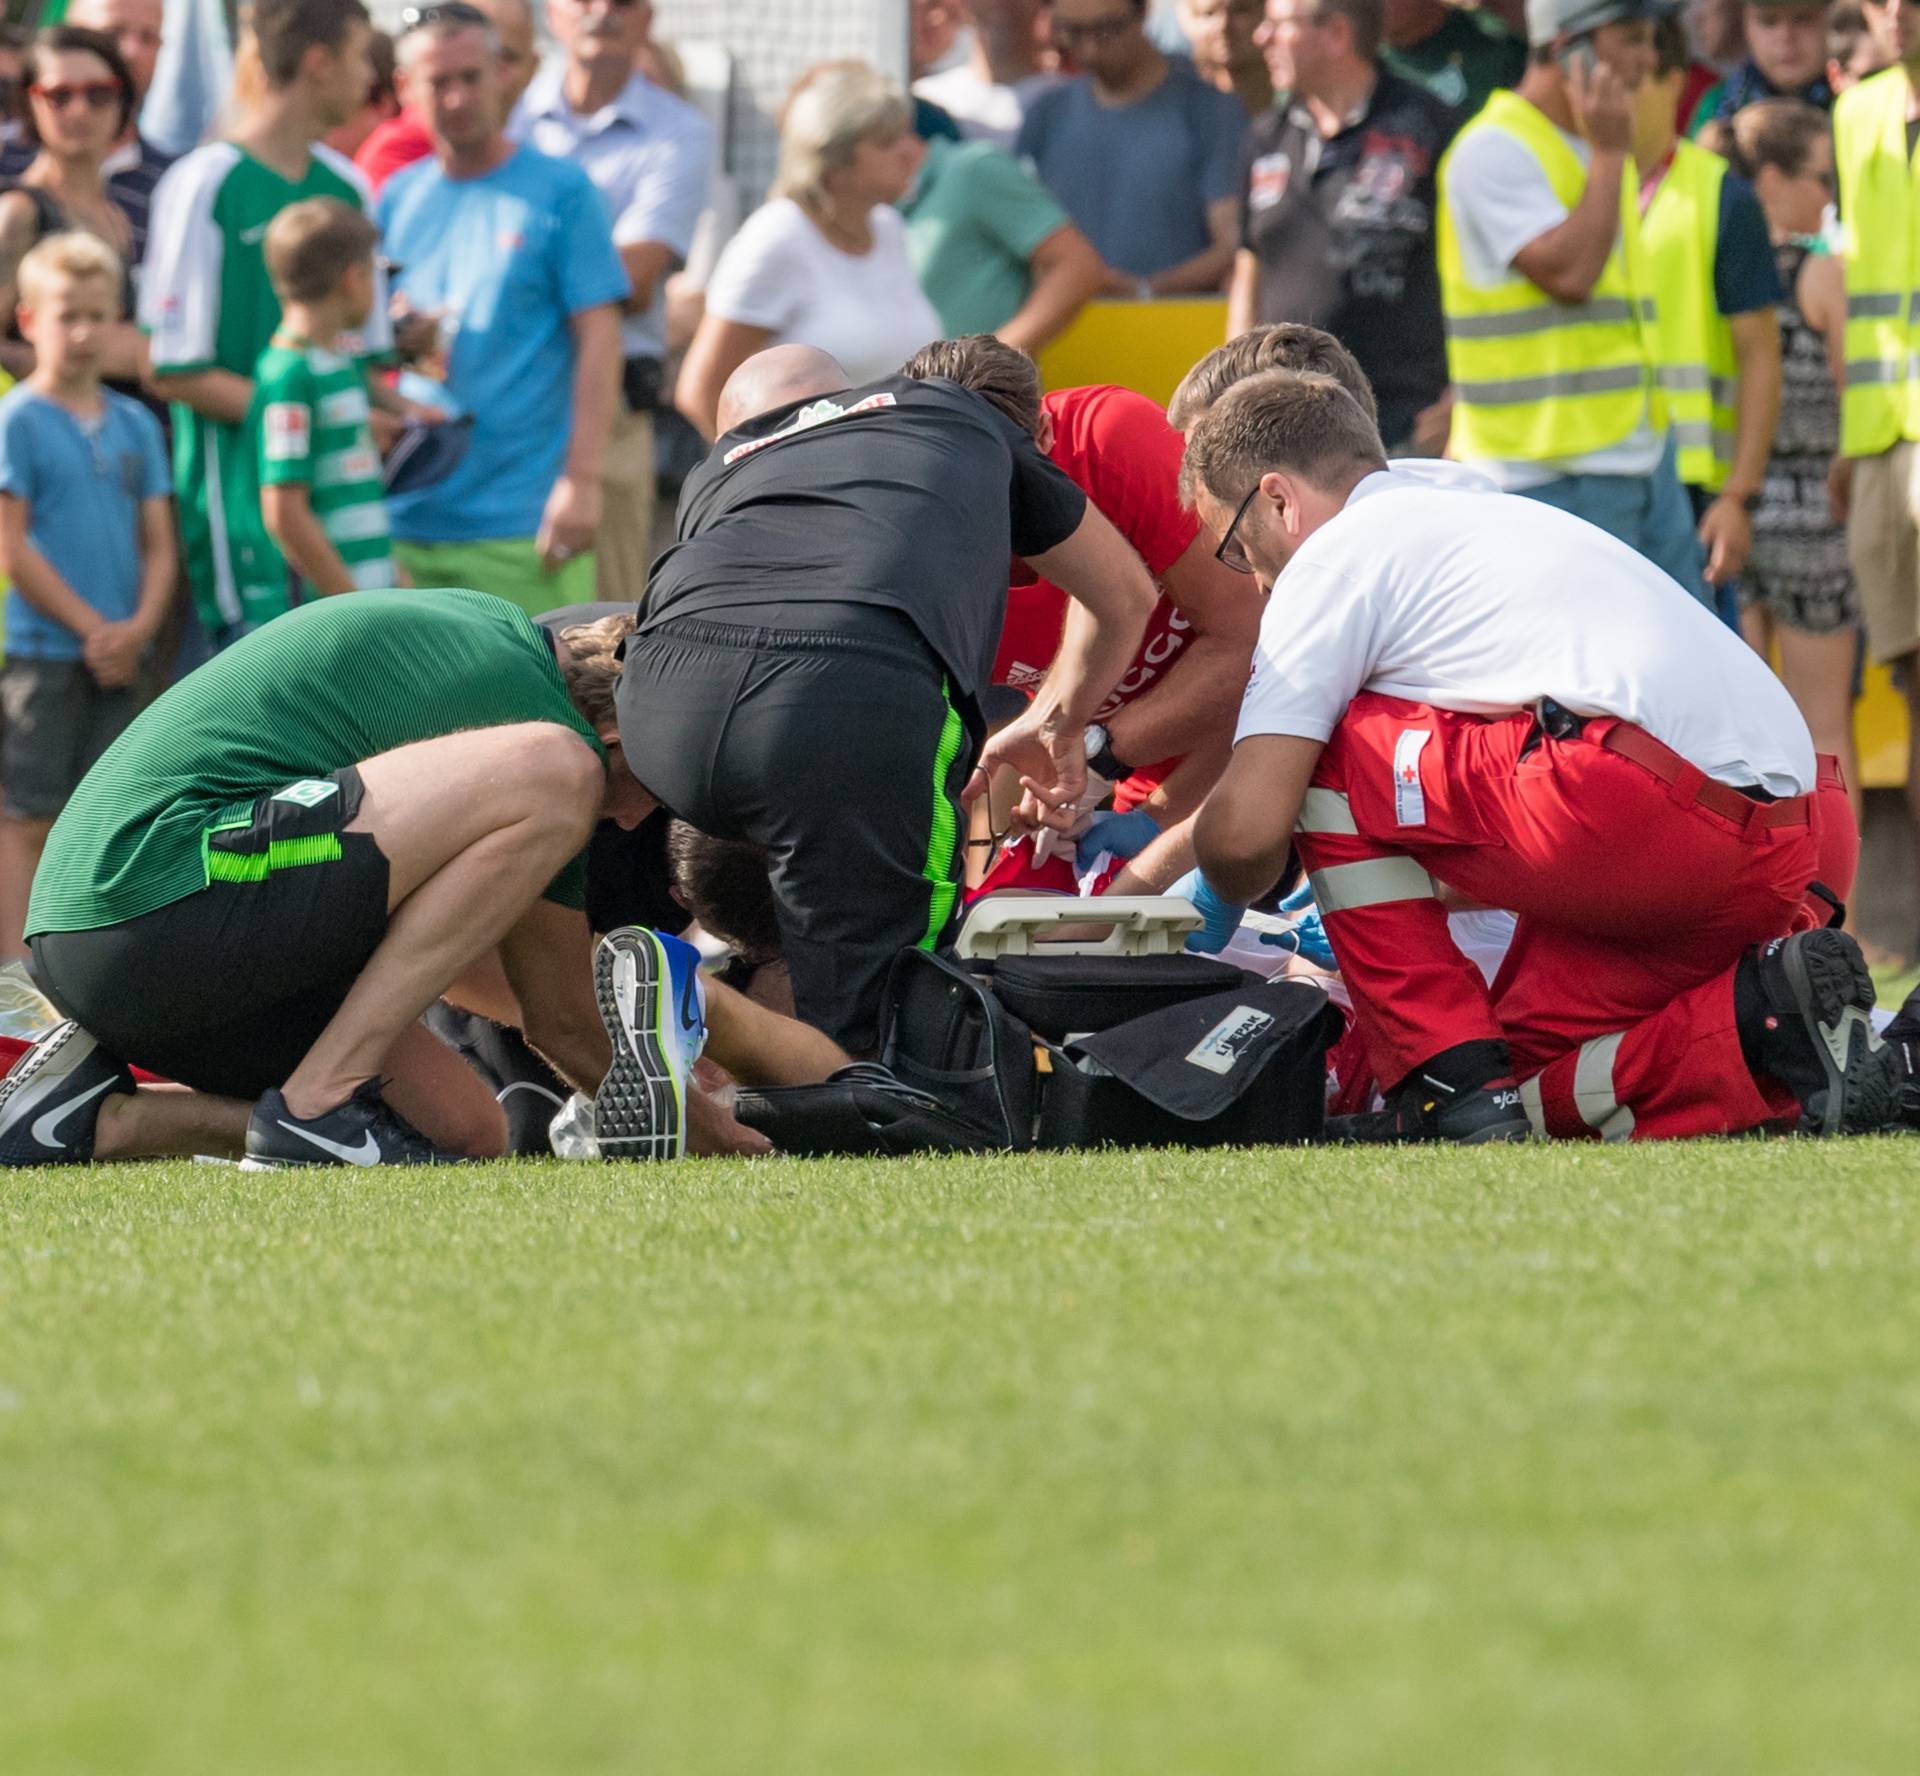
(824, 261)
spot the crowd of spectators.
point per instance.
(1586, 247)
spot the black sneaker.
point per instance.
(1424, 1110)
(364, 1131)
(50, 1102)
(1803, 1006)
(649, 995)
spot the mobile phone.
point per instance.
(1578, 55)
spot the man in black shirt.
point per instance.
(1339, 210)
(812, 649)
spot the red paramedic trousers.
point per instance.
(1634, 901)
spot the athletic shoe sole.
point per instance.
(1833, 993)
(640, 1110)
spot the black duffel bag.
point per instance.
(1102, 1051)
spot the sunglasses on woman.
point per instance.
(98, 95)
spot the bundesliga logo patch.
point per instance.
(287, 428)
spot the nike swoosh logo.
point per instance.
(689, 1003)
(252, 237)
(366, 1154)
(46, 1129)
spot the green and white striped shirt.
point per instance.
(310, 416)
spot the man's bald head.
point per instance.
(774, 378)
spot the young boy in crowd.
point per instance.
(86, 537)
(321, 496)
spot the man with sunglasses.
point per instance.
(1441, 705)
(650, 156)
(1142, 152)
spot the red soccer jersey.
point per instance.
(1118, 448)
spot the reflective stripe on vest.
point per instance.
(1694, 362)
(1879, 189)
(1534, 379)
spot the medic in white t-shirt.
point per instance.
(1478, 696)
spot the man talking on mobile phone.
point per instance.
(1549, 295)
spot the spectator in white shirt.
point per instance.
(988, 93)
(824, 261)
(651, 155)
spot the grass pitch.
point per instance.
(1565, 1460)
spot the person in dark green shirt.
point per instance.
(1460, 54)
(262, 885)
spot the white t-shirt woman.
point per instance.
(781, 273)
(824, 261)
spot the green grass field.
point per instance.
(1562, 1461)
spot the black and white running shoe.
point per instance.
(364, 1131)
(648, 988)
(1804, 1006)
(50, 1102)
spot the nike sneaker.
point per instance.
(654, 1006)
(1803, 1007)
(50, 1102)
(364, 1131)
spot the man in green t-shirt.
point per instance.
(209, 308)
(321, 494)
(296, 850)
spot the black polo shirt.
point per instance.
(903, 495)
(1343, 229)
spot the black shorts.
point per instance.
(844, 754)
(226, 990)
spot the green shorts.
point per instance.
(508, 567)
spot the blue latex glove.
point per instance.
(1219, 918)
(1125, 835)
(1308, 938)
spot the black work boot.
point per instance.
(1465, 1095)
(1803, 1007)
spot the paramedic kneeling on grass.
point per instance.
(1482, 692)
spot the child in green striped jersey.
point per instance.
(321, 496)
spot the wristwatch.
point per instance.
(1101, 758)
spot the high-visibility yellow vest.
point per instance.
(1879, 189)
(1694, 362)
(1536, 379)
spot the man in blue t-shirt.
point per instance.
(1142, 152)
(507, 258)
